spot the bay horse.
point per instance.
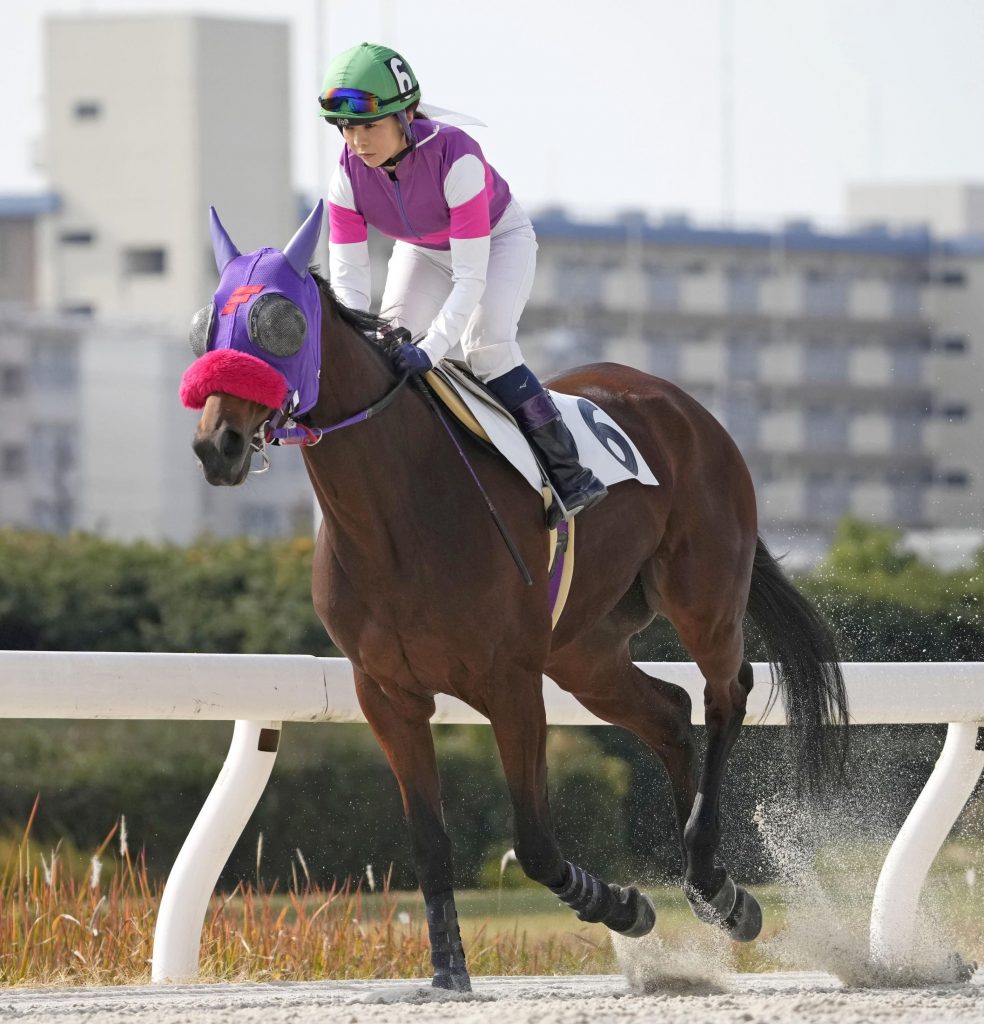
(413, 584)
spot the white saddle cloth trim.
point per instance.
(612, 460)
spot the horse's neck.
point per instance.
(352, 470)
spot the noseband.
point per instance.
(282, 430)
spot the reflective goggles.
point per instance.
(353, 101)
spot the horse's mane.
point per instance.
(369, 325)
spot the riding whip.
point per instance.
(429, 398)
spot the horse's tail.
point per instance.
(802, 654)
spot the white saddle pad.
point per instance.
(603, 446)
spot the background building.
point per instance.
(847, 364)
(149, 120)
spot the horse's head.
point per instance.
(258, 345)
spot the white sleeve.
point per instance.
(348, 248)
(469, 266)
(464, 192)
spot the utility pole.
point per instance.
(727, 112)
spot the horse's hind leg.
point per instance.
(520, 727)
(597, 668)
(706, 609)
(404, 734)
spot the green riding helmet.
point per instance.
(367, 83)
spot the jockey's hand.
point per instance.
(410, 359)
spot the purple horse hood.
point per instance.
(267, 306)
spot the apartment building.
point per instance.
(149, 121)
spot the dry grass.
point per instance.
(66, 920)
(95, 927)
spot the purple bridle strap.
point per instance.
(299, 434)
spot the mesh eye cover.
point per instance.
(200, 333)
(277, 325)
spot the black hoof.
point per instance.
(732, 908)
(452, 982)
(633, 914)
(744, 922)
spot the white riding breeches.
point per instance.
(419, 280)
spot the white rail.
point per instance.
(259, 692)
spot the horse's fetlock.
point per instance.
(587, 896)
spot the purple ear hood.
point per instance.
(245, 280)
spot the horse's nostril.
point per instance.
(232, 444)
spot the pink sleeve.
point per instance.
(471, 218)
(346, 225)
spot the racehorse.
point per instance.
(413, 584)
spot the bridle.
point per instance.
(282, 430)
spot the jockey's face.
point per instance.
(377, 142)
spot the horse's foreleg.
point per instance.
(521, 731)
(404, 734)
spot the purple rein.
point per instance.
(306, 436)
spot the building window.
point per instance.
(76, 238)
(662, 287)
(907, 366)
(663, 357)
(87, 110)
(580, 282)
(743, 289)
(12, 381)
(743, 357)
(13, 460)
(905, 297)
(138, 262)
(907, 431)
(741, 419)
(825, 428)
(828, 497)
(825, 362)
(825, 293)
(55, 365)
(907, 500)
(53, 451)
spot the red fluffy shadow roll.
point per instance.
(232, 372)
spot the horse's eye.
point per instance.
(277, 325)
(201, 329)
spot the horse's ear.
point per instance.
(300, 249)
(222, 245)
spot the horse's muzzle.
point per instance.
(225, 455)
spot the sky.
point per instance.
(745, 111)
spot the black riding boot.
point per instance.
(577, 486)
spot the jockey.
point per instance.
(464, 252)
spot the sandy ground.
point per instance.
(801, 997)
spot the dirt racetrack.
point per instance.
(800, 997)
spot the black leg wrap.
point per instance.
(447, 952)
(732, 908)
(624, 910)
